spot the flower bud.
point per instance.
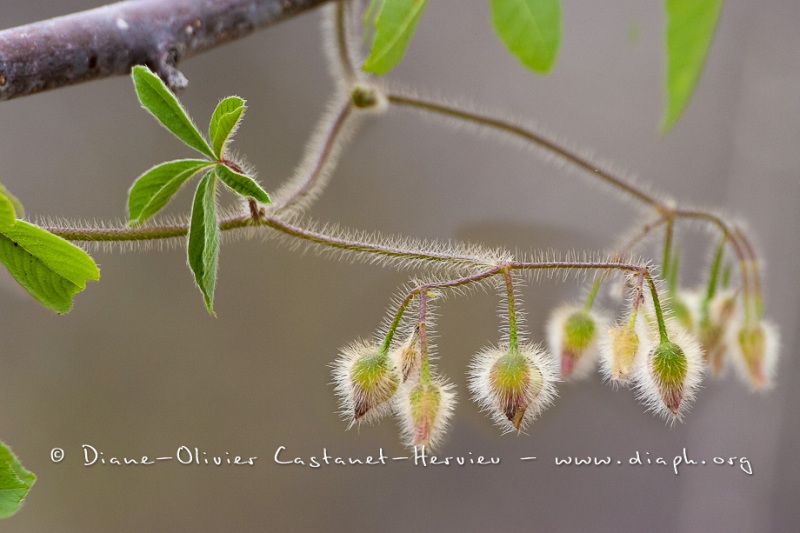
(513, 386)
(407, 359)
(712, 330)
(365, 380)
(668, 377)
(618, 352)
(424, 410)
(572, 334)
(755, 353)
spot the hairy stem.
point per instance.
(530, 136)
(513, 344)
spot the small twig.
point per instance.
(109, 40)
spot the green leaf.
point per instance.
(15, 482)
(394, 26)
(689, 32)
(51, 269)
(242, 184)
(165, 107)
(530, 29)
(204, 238)
(224, 122)
(10, 208)
(154, 189)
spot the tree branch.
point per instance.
(109, 40)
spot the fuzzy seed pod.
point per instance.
(424, 410)
(572, 334)
(513, 386)
(366, 381)
(668, 378)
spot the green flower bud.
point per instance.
(513, 386)
(366, 381)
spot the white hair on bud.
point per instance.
(607, 356)
(769, 358)
(646, 387)
(441, 420)
(349, 397)
(484, 393)
(587, 358)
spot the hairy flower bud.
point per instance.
(712, 329)
(406, 359)
(365, 380)
(755, 353)
(619, 350)
(513, 386)
(668, 377)
(424, 410)
(572, 334)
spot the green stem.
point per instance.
(666, 260)
(662, 327)
(387, 341)
(713, 278)
(592, 294)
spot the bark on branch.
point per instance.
(109, 40)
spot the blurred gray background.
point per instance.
(138, 367)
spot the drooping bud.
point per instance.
(618, 352)
(424, 410)
(668, 377)
(406, 359)
(755, 353)
(365, 380)
(513, 386)
(572, 334)
(712, 329)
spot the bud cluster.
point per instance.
(372, 381)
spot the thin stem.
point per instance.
(530, 136)
(713, 277)
(513, 344)
(748, 246)
(323, 156)
(637, 300)
(387, 341)
(587, 306)
(738, 249)
(662, 327)
(342, 46)
(668, 234)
